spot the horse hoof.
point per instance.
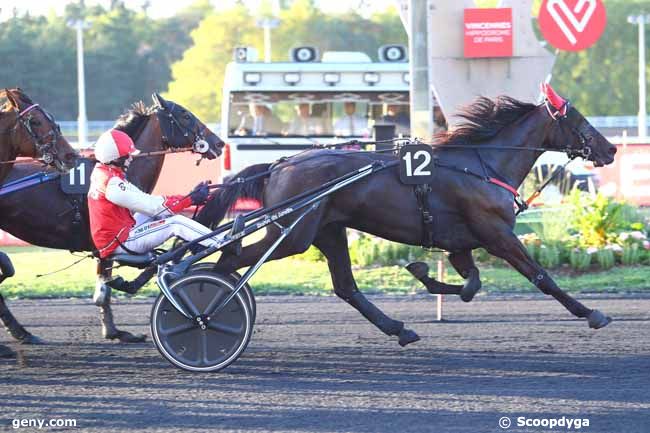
(471, 288)
(102, 292)
(6, 352)
(31, 339)
(467, 292)
(127, 337)
(406, 336)
(598, 320)
(419, 270)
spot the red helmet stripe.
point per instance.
(123, 142)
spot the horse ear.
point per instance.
(12, 99)
(556, 100)
(158, 100)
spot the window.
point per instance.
(316, 114)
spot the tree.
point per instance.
(603, 79)
(198, 76)
(127, 56)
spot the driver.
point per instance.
(122, 217)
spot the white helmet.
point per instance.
(114, 144)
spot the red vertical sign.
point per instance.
(488, 32)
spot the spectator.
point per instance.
(259, 121)
(302, 124)
(351, 125)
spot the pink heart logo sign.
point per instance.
(572, 25)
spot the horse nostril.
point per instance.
(613, 150)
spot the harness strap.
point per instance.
(422, 192)
(521, 205)
(77, 223)
(28, 181)
(27, 110)
(504, 186)
(538, 191)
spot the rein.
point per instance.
(24, 160)
(28, 159)
(163, 152)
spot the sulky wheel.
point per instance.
(208, 342)
(207, 267)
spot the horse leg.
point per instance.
(509, 248)
(102, 299)
(15, 329)
(420, 271)
(229, 262)
(463, 264)
(332, 242)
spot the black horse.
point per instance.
(470, 211)
(43, 215)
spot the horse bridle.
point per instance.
(199, 144)
(45, 145)
(562, 114)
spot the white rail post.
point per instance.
(82, 121)
(641, 21)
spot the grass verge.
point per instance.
(292, 276)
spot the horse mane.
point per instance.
(133, 120)
(484, 119)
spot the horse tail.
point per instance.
(220, 202)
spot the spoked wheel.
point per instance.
(209, 341)
(248, 292)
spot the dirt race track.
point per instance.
(314, 364)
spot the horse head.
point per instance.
(574, 134)
(37, 133)
(181, 129)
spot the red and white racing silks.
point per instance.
(111, 201)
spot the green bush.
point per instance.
(594, 229)
(313, 254)
(533, 250)
(555, 226)
(598, 219)
(579, 259)
(605, 258)
(631, 255)
(549, 256)
(367, 250)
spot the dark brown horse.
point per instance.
(43, 215)
(26, 129)
(469, 211)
